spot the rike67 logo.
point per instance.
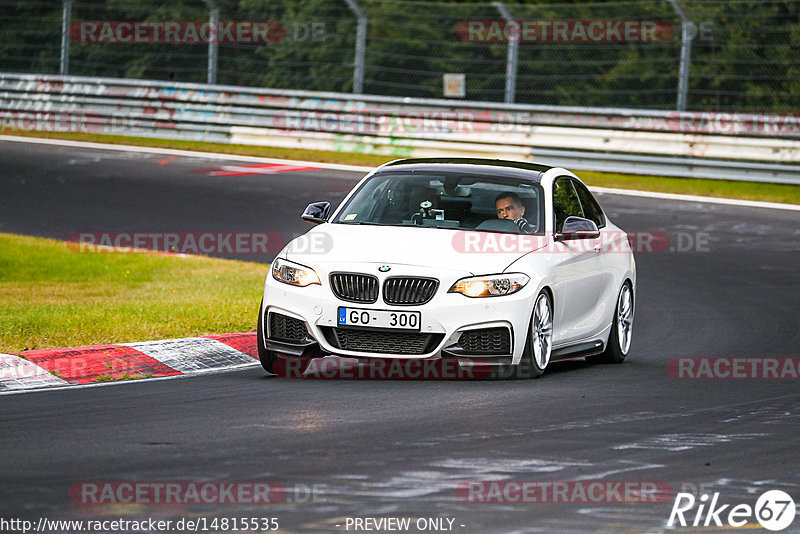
(774, 510)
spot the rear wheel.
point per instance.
(539, 345)
(619, 340)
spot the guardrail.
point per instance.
(762, 147)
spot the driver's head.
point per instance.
(509, 206)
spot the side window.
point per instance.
(591, 208)
(565, 201)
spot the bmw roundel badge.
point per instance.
(384, 268)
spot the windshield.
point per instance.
(447, 200)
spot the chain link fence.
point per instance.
(731, 55)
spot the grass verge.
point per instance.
(123, 376)
(53, 296)
(784, 193)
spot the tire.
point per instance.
(267, 357)
(539, 344)
(619, 340)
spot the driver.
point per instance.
(509, 206)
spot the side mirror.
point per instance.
(317, 212)
(578, 228)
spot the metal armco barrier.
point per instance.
(690, 144)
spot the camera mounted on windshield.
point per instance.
(427, 212)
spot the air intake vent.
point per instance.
(381, 342)
(409, 290)
(486, 341)
(355, 287)
(285, 328)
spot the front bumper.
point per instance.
(444, 320)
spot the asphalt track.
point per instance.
(388, 448)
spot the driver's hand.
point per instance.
(524, 227)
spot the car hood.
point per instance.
(471, 252)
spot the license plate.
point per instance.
(402, 320)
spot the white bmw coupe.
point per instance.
(489, 264)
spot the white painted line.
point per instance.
(69, 387)
(695, 198)
(18, 373)
(356, 168)
(237, 170)
(183, 153)
(192, 354)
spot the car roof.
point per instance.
(516, 169)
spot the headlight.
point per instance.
(494, 285)
(293, 274)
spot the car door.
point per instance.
(614, 245)
(578, 271)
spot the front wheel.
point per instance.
(538, 346)
(619, 340)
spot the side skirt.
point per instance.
(578, 351)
